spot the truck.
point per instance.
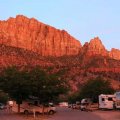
(28, 107)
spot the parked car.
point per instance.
(69, 105)
(50, 109)
(63, 104)
(73, 106)
(85, 104)
(31, 107)
(2, 106)
(76, 105)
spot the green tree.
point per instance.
(94, 87)
(3, 97)
(38, 79)
(15, 83)
(57, 86)
(46, 87)
(21, 84)
(72, 98)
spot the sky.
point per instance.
(83, 19)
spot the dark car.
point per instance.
(2, 106)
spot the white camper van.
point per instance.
(106, 101)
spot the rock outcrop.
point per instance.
(94, 47)
(35, 36)
(115, 54)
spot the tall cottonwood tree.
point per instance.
(94, 87)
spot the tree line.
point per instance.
(92, 89)
(21, 84)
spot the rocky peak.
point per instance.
(95, 47)
(115, 54)
(30, 34)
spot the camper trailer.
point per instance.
(106, 101)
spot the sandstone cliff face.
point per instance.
(30, 34)
(45, 40)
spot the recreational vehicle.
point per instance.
(117, 100)
(106, 101)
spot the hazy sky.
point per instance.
(83, 19)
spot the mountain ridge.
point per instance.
(27, 43)
(32, 35)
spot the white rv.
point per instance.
(106, 101)
(117, 100)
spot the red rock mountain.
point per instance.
(35, 36)
(30, 34)
(26, 43)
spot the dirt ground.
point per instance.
(108, 115)
(65, 114)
